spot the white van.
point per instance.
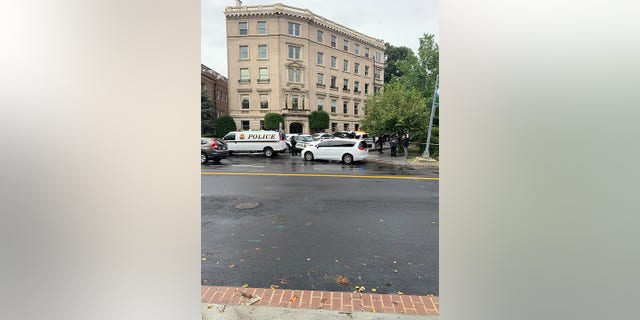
(268, 142)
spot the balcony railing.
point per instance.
(263, 80)
(244, 81)
(345, 90)
(321, 85)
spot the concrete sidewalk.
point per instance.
(234, 303)
(400, 160)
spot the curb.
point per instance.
(325, 300)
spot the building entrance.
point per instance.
(295, 127)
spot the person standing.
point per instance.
(405, 144)
(380, 142)
(293, 145)
(394, 145)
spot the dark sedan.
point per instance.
(212, 149)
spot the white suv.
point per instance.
(345, 150)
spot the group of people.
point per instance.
(394, 140)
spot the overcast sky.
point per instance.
(399, 22)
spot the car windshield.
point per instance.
(305, 138)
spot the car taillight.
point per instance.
(361, 148)
(215, 143)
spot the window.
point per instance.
(294, 52)
(346, 127)
(244, 101)
(333, 82)
(294, 101)
(345, 84)
(376, 73)
(355, 109)
(378, 56)
(262, 125)
(345, 45)
(319, 36)
(294, 29)
(320, 104)
(366, 52)
(264, 74)
(334, 127)
(333, 62)
(345, 65)
(295, 75)
(320, 79)
(262, 27)
(345, 107)
(333, 108)
(245, 124)
(366, 88)
(320, 59)
(356, 68)
(356, 127)
(244, 74)
(243, 27)
(356, 85)
(244, 52)
(264, 103)
(366, 71)
(333, 41)
(262, 51)
(356, 49)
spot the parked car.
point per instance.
(345, 150)
(322, 136)
(343, 134)
(366, 137)
(212, 149)
(303, 140)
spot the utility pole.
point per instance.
(433, 109)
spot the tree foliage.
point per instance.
(271, 121)
(397, 110)
(319, 120)
(398, 62)
(224, 125)
(404, 71)
(207, 114)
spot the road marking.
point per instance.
(316, 175)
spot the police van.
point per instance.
(268, 142)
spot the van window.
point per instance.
(230, 136)
(325, 143)
(342, 144)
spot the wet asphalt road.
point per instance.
(307, 231)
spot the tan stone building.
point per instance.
(291, 61)
(215, 86)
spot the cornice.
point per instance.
(302, 14)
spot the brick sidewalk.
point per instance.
(307, 299)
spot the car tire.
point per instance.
(203, 158)
(268, 152)
(347, 158)
(308, 156)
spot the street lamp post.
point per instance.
(433, 109)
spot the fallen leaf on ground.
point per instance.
(246, 295)
(343, 280)
(283, 281)
(395, 270)
(400, 292)
(373, 290)
(294, 298)
(204, 259)
(246, 285)
(273, 286)
(232, 266)
(362, 289)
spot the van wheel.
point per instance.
(203, 158)
(347, 158)
(308, 156)
(268, 152)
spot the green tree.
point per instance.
(224, 125)
(398, 62)
(207, 114)
(396, 110)
(271, 121)
(319, 120)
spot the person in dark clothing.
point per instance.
(405, 144)
(293, 146)
(394, 145)
(380, 142)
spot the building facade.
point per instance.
(215, 87)
(291, 61)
